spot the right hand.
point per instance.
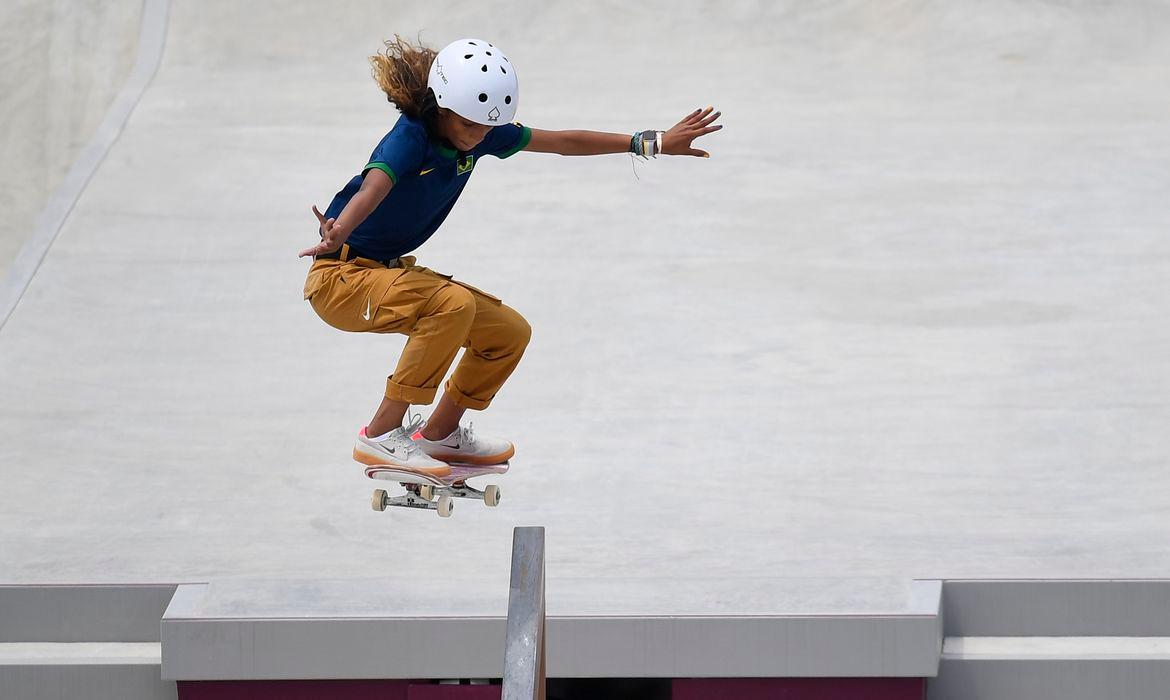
(331, 236)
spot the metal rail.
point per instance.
(524, 644)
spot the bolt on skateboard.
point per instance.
(422, 488)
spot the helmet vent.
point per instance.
(503, 71)
(467, 56)
(484, 69)
(473, 43)
(508, 100)
(488, 53)
(483, 97)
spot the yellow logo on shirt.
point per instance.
(465, 165)
(426, 171)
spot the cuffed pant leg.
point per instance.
(444, 322)
(495, 344)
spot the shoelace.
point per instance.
(406, 444)
(416, 422)
(404, 440)
(467, 435)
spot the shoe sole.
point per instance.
(481, 461)
(385, 461)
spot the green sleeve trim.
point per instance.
(383, 167)
(525, 137)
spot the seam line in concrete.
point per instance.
(151, 40)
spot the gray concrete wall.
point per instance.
(66, 614)
(136, 679)
(1058, 674)
(94, 642)
(1102, 608)
(1072, 640)
(61, 64)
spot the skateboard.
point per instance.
(422, 489)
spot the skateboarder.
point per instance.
(457, 106)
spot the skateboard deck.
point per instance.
(432, 492)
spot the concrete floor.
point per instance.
(909, 320)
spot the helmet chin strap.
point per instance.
(444, 140)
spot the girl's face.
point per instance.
(463, 134)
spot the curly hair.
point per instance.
(401, 71)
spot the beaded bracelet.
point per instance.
(647, 144)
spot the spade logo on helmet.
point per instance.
(494, 115)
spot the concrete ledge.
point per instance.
(205, 637)
(825, 647)
(1053, 679)
(91, 671)
(1053, 668)
(1031, 608)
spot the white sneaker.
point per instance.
(465, 447)
(397, 450)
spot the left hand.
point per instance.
(331, 238)
(677, 141)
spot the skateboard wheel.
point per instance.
(427, 492)
(379, 501)
(491, 495)
(445, 506)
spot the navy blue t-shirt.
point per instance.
(428, 178)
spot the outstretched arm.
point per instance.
(675, 142)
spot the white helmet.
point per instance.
(475, 80)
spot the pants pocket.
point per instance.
(316, 279)
(451, 279)
(358, 298)
(461, 283)
(476, 290)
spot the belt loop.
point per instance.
(344, 252)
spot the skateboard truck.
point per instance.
(430, 493)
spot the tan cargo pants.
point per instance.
(438, 313)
